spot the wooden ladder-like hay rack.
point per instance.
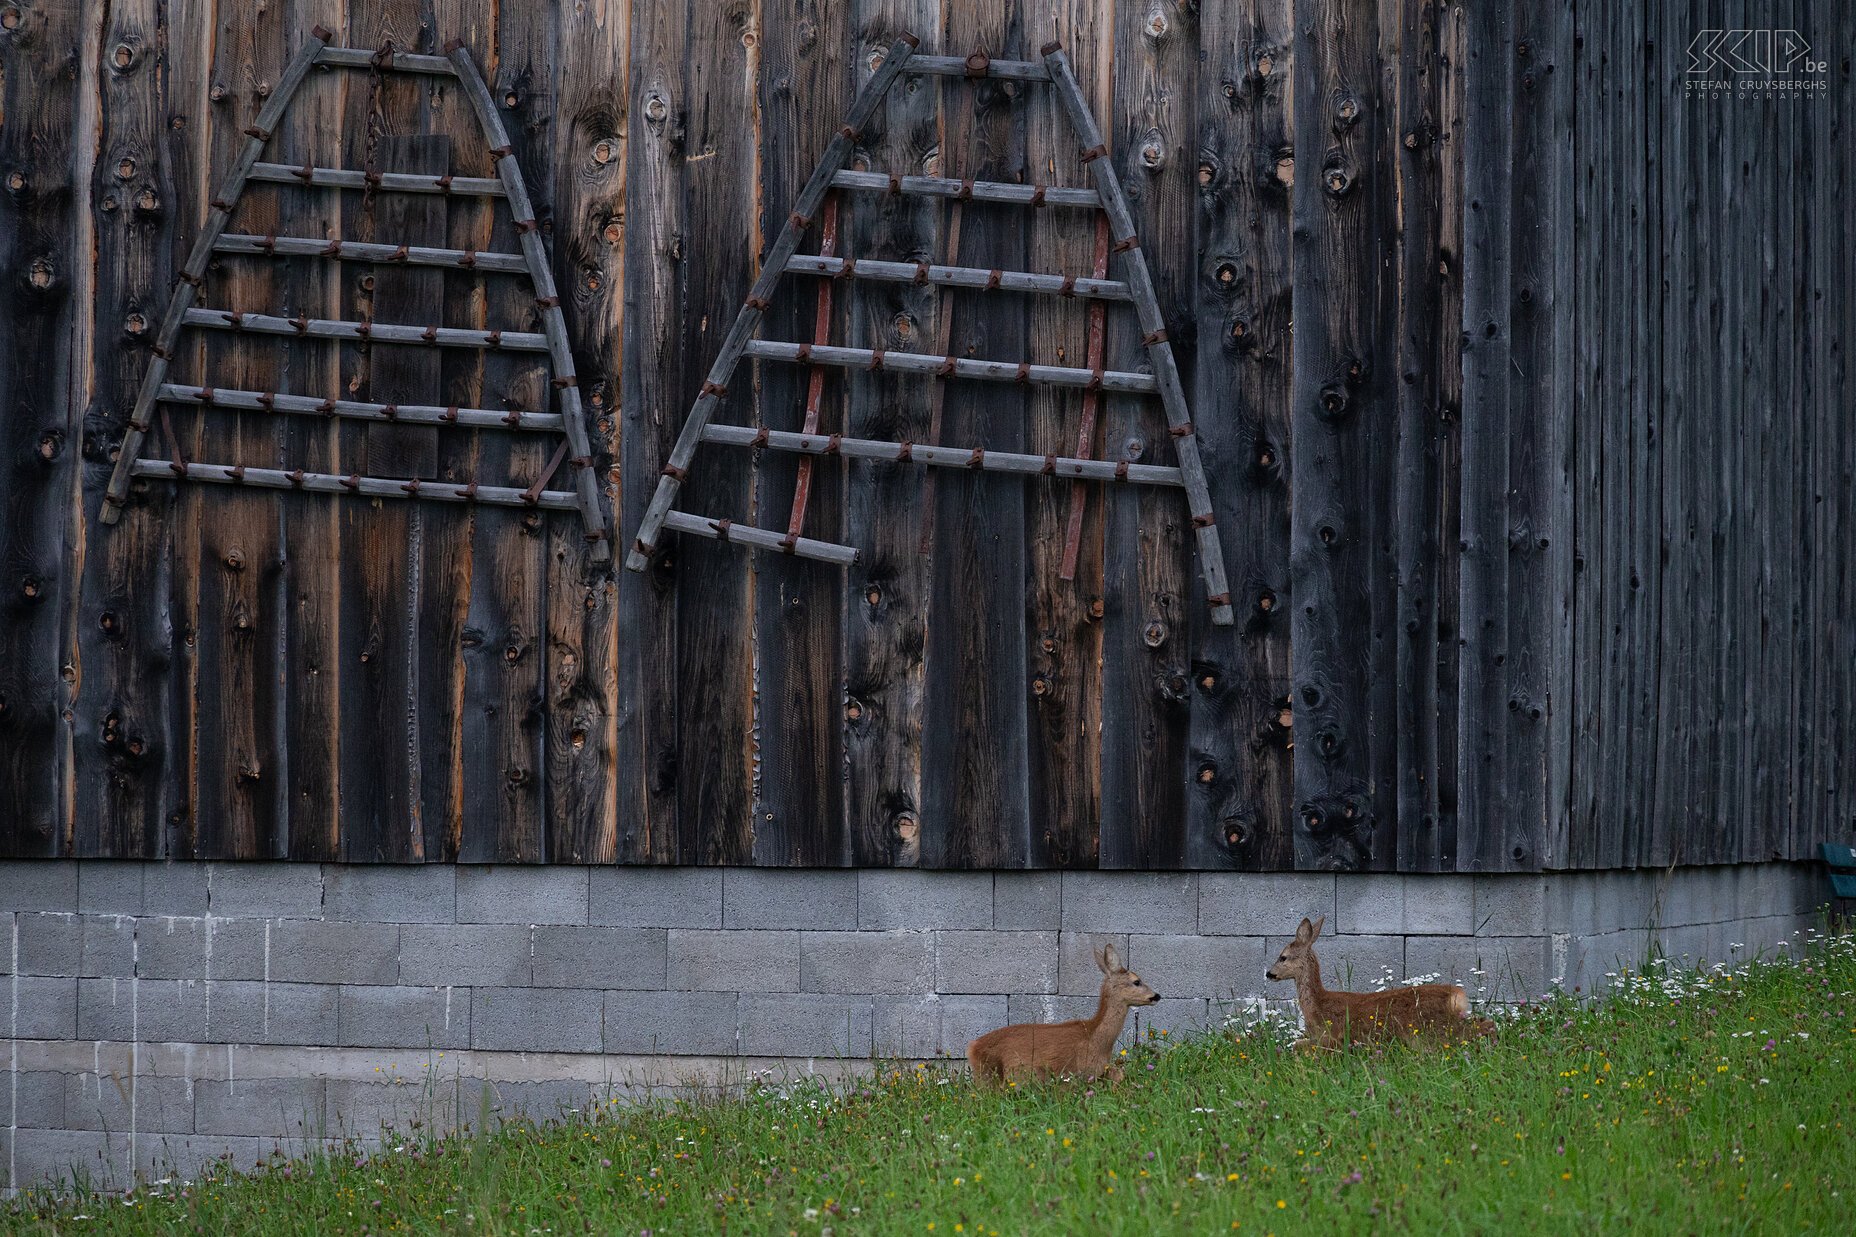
(183, 311)
(1115, 231)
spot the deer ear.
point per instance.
(1315, 929)
(1101, 959)
(1305, 931)
(1111, 961)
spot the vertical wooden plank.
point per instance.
(886, 603)
(1486, 825)
(588, 160)
(238, 548)
(310, 581)
(505, 628)
(715, 587)
(1538, 564)
(44, 448)
(656, 240)
(1146, 693)
(1334, 532)
(1241, 727)
(1065, 630)
(1588, 485)
(1425, 75)
(975, 785)
(799, 810)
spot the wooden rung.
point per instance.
(960, 277)
(943, 457)
(399, 62)
(760, 538)
(408, 414)
(366, 332)
(969, 190)
(387, 182)
(957, 367)
(372, 487)
(362, 251)
(965, 66)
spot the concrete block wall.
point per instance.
(162, 1015)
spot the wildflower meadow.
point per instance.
(1686, 1100)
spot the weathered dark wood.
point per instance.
(1241, 725)
(799, 811)
(588, 241)
(976, 808)
(1064, 655)
(383, 181)
(1539, 567)
(1339, 136)
(1146, 693)
(714, 646)
(44, 220)
(961, 276)
(1444, 523)
(240, 807)
(887, 597)
(359, 251)
(989, 369)
(1425, 74)
(1488, 813)
(656, 239)
(974, 459)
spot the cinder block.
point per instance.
(521, 894)
(1510, 905)
(1352, 962)
(36, 1100)
(395, 1017)
(788, 1025)
(1200, 966)
(109, 887)
(38, 885)
(1684, 946)
(745, 961)
(146, 1010)
(332, 952)
(1130, 902)
(47, 1007)
(901, 898)
(573, 956)
(1267, 904)
(1047, 1007)
(1572, 903)
(174, 888)
(436, 955)
(648, 897)
(62, 1157)
(50, 942)
(547, 1100)
(390, 893)
(109, 946)
(1595, 959)
(995, 962)
(244, 1012)
(171, 947)
(259, 1107)
(1500, 968)
(866, 962)
(789, 898)
(1027, 901)
(927, 1026)
(264, 890)
(1171, 1018)
(145, 1103)
(365, 1109)
(1627, 901)
(1077, 971)
(536, 1019)
(681, 1023)
(186, 1157)
(1370, 902)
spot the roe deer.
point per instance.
(1336, 1019)
(1082, 1047)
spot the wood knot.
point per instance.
(15, 181)
(123, 57)
(125, 168)
(1154, 634)
(1336, 181)
(1266, 601)
(1208, 172)
(1208, 773)
(1096, 610)
(9, 18)
(235, 560)
(853, 710)
(1041, 686)
(907, 827)
(109, 623)
(1347, 110)
(39, 274)
(512, 652)
(32, 588)
(1153, 154)
(1157, 24)
(655, 108)
(602, 151)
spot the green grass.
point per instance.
(1691, 1102)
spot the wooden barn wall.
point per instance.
(1538, 517)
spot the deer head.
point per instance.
(1119, 984)
(1292, 963)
